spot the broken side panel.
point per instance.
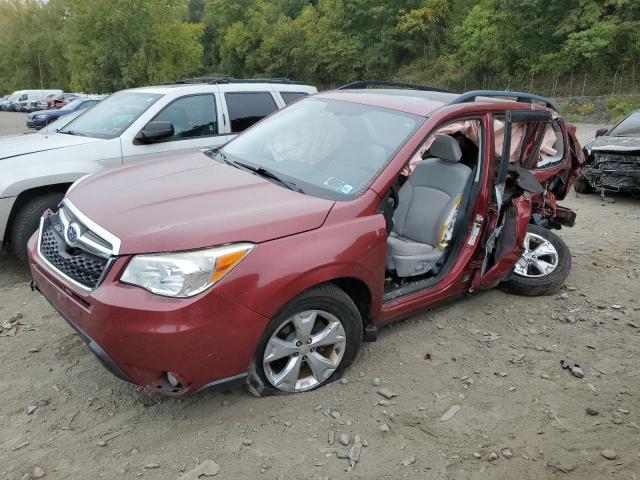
(507, 247)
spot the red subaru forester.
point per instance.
(271, 259)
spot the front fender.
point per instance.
(279, 270)
(58, 166)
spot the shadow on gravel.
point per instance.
(12, 271)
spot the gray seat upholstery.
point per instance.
(428, 202)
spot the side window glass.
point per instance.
(289, 97)
(191, 117)
(247, 108)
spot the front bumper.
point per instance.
(614, 171)
(140, 336)
(36, 123)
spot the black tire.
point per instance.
(27, 221)
(327, 297)
(548, 284)
(582, 185)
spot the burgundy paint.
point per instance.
(302, 241)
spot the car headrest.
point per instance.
(446, 148)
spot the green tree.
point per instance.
(115, 44)
(30, 48)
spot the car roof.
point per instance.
(236, 86)
(420, 102)
(416, 102)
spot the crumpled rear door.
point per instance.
(511, 207)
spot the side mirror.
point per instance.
(155, 132)
(602, 131)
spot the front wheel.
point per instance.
(543, 267)
(308, 344)
(582, 185)
(27, 220)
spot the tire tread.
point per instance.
(547, 285)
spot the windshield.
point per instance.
(56, 125)
(629, 127)
(73, 104)
(329, 148)
(112, 116)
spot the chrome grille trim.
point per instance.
(66, 215)
(96, 229)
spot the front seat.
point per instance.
(428, 203)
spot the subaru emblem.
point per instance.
(73, 233)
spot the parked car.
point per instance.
(4, 104)
(271, 259)
(43, 118)
(28, 99)
(9, 104)
(613, 159)
(45, 102)
(59, 100)
(129, 126)
(57, 125)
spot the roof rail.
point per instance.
(220, 79)
(286, 81)
(519, 96)
(382, 83)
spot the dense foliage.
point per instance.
(104, 45)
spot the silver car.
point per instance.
(129, 126)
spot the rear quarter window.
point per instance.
(247, 108)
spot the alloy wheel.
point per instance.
(304, 351)
(540, 257)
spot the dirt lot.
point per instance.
(13, 123)
(494, 355)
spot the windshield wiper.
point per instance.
(217, 152)
(71, 132)
(254, 168)
(268, 174)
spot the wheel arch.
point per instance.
(29, 194)
(358, 288)
(359, 292)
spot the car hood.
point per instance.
(193, 202)
(30, 143)
(39, 112)
(614, 144)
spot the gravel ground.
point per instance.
(13, 123)
(480, 390)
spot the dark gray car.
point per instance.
(613, 159)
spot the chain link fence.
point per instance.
(623, 81)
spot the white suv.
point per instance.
(126, 127)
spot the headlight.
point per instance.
(40, 117)
(184, 274)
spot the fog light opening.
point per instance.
(173, 381)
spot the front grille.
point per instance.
(74, 262)
(615, 170)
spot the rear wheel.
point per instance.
(27, 221)
(582, 185)
(308, 344)
(544, 265)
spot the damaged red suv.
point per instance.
(272, 258)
